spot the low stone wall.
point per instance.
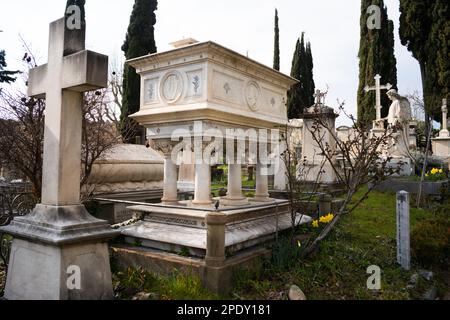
(429, 188)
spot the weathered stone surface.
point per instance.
(126, 168)
(427, 275)
(430, 294)
(209, 81)
(41, 272)
(59, 251)
(403, 230)
(296, 294)
(60, 226)
(171, 228)
(143, 296)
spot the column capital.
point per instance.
(162, 146)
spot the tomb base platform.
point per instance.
(185, 229)
(204, 239)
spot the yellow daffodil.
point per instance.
(434, 171)
(315, 224)
(327, 219)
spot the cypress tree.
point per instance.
(276, 58)
(5, 75)
(310, 86)
(139, 41)
(425, 31)
(301, 95)
(376, 56)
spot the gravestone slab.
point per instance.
(403, 230)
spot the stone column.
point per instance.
(218, 277)
(165, 147)
(234, 196)
(202, 194)
(262, 184)
(280, 179)
(170, 180)
(325, 204)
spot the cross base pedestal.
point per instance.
(59, 253)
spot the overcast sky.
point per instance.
(241, 25)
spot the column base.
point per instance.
(59, 253)
(202, 202)
(261, 199)
(234, 202)
(169, 201)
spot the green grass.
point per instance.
(2, 278)
(246, 184)
(179, 286)
(338, 269)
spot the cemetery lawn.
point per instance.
(337, 271)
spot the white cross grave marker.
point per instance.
(70, 71)
(378, 87)
(60, 234)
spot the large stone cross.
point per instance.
(378, 87)
(70, 71)
(320, 96)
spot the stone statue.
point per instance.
(398, 119)
(400, 110)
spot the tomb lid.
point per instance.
(183, 43)
(159, 60)
(208, 82)
(130, 153)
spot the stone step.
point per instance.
(177, 238)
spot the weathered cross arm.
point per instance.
(83, 71)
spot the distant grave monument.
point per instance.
(378, 124)
(441, 144)
(318, 167)
(399, 121)
(59, 251)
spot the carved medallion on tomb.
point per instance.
(150, 93)
(253, 95)
(172, 87)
